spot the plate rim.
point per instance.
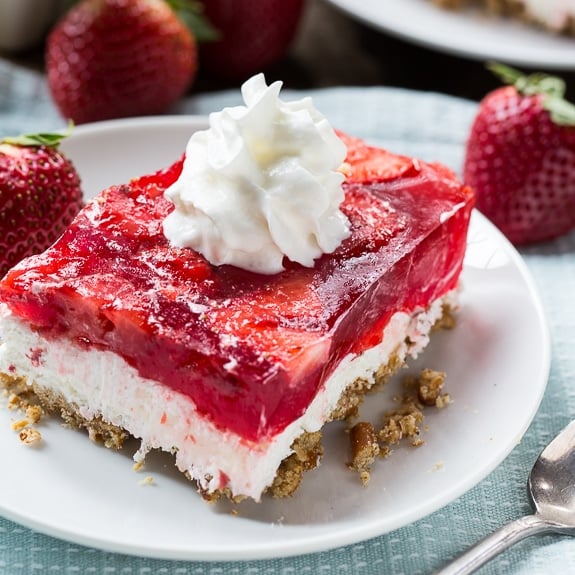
(396, 18)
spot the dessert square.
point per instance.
(234, 371)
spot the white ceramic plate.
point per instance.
(497, 360)
(466, 33)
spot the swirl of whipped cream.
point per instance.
(260, 184)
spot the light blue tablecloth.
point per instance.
(430, 126)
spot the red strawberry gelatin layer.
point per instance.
(250, 350)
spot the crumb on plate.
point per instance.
(401, 424)
(30, 436)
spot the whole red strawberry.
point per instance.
(520, 157)
(253, 34)
(40, 195)
(116, 58)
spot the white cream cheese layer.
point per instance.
(102, 383)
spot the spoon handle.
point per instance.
(494, 544)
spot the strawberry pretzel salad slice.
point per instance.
(226, 308)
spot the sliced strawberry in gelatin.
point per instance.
(364, 163)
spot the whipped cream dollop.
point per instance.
(260, 184)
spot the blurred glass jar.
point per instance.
(25, 23)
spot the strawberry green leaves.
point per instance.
(551, 88)
(49, 139)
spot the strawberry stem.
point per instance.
(49, 139)
(191, 13)
(551, 88)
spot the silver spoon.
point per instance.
(552, 490)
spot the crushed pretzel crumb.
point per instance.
(404, 423)
(443, 401)
(30, 436)
(14, 402)
(148, 480)
(430, 383)
(400, 424)
(138, 465)
(20, 424)
(365, 449)
(34, 413)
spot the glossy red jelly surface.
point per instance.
(250, 350)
